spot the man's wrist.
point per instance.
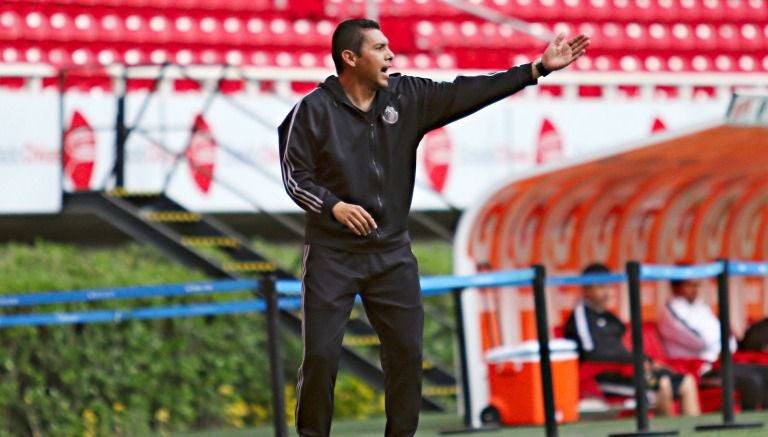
(540, 68)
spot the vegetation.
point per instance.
(137, 377)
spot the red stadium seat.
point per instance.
(111, 27)
(683, 37)
(690, 11)
(233, 31)
(10, 25)
(750, 38)
(755, 10)
(728, 37)
(160, 29)
(660, 37)
(623, 10)
(611, 36)
(712, 10)
(748, 63)
(136, 28)
(706, 36)
(598, 10)
(635, 36)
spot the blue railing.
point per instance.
(290, 291)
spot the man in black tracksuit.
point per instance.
(348, 156)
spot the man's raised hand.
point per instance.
(561, 53)
(354, 217)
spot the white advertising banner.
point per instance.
(30, 169)
(220, 154)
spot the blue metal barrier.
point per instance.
(435, 285)
(290, 289)
(590, 279)
(652, 272)
(742, 268)
(94, 295)
(160, 312)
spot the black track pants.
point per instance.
(389, 286)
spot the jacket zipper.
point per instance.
(378, 175)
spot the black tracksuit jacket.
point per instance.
(330, 150)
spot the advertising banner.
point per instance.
(220, 154)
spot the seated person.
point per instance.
(689, 329)
(599, 333)
(756, 337)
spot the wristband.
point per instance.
(543, 72)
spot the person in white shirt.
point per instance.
(689, 329)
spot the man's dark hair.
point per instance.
(596, 269)
(677, 283)
(349, 36)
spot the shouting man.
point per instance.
(348, 156)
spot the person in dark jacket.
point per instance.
(598, 333)
(348, 156)
(756, 337)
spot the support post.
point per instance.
(269, 292)
(726, 361)
(62, 128)
(121, 136)
(542, 330)
(466, 427)
(638, 358)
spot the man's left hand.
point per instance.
(561, 53)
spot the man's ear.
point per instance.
(349, 58)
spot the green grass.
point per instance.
(431, 425)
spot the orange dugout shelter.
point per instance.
(678, 197)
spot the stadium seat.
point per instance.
(628, 35)
(10, 25)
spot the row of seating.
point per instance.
(103, 25)
(64, 32)
(64, 55)
(428, 35)
(571, 10)
(532, 10)
(677, 37)
(294, 8)
(675, 63)
(69, 54)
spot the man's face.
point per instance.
(688, 290)
(375, 59)
(597, 295)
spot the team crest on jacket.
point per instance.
(390, 115)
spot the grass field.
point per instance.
(432, 424)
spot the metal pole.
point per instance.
(726, 367)
(638, 356)
(269, 292)
(466, 427)
(120, 137)
(542, 330)
(62, 129)
(459, 310)
(726, 362)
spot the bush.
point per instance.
(127, 378)
(138, 377)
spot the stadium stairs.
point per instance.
(206, 244)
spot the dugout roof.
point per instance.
(678, 197)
